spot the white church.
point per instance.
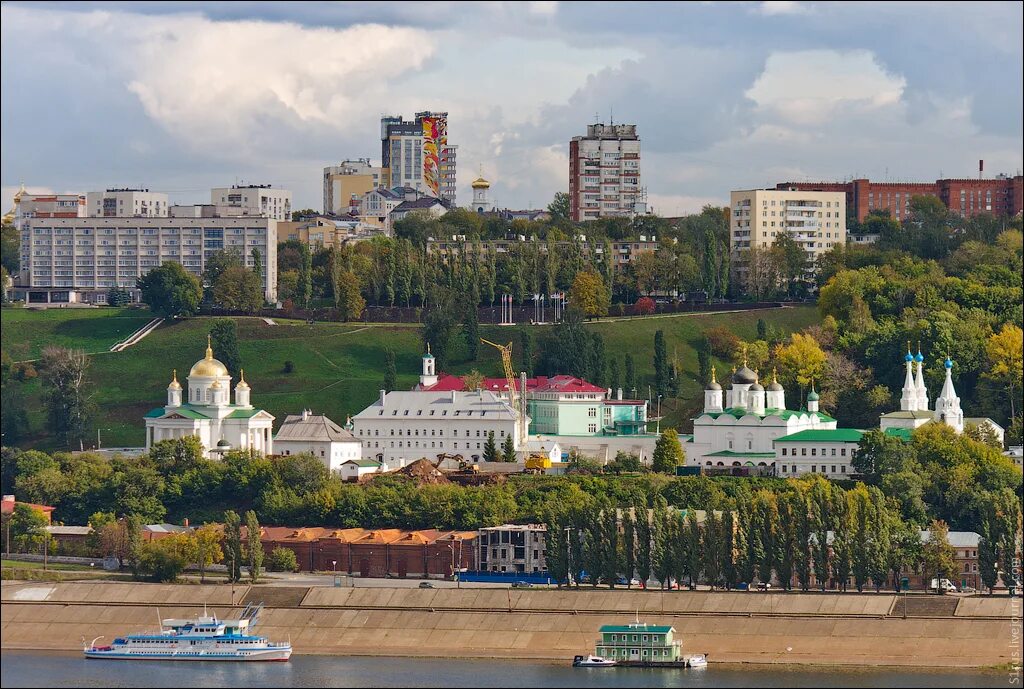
(753, 427)
(209, 414)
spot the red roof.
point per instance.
(8, 503)
(447, 382)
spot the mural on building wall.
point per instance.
(435, 137)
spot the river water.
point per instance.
(36, 669)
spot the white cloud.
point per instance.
(542, 7)
(807, 87)
(775, 7)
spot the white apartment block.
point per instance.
(346, 183)
(403, 426)
(126, 203)
(604, 173)
(68, 260)
(255, 199)
(815, 219)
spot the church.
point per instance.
(209, 415)
(741, 429)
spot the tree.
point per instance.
(215, 265)
(170, 291)
(668, 452)
(471, 329)
(13, 411)
(803, 359)
(69, 409)
(526, 351)
(254, 549)
(988, 559)
(208, 550)
(490, 448)
(165, 559)
(133, 541)
(645, 306)
(629, 546)
(118, 296)
(1006, 361)
(630, 380)
(472, 381)
(349, 298)
(589, 294)
(937, 554)
(661, 372)
(257, 264)
(305, 288)
(559, 206)
(904, 550)
(508, 449)
(27, 527)
(643, 541)
(282, 560)
(238, 289)
(233, 545)
(790, 260)
(694, 550)
(439, 328)
(10, 249)
(760, 271)
(390, 372)
(224, 342)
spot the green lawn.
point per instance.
(26, 331)
(338, 368)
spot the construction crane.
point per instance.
(510, 378)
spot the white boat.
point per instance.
(204, 638)
(697, 661)
(592, 661)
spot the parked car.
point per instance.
(522, 585)
(426, 585)
(763, 586)
(942, 586)
(742, 586)
(622, 581)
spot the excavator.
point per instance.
(459, 459)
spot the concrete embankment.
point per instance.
(867, 629)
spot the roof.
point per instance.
(363, 462)
(312, 428)
(69, 530)
(823, 435)
(419, 204)
(957, 539)
(184, 410)
(164, 528)
(978, 420)
(909, 415)
(8, 505)
(901, 433)
(748, 455)
(429, 403)
(740, 412)
(656, 628)
(557, 384)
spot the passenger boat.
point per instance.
(592, 661)
(204, 638)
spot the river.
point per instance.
(38, 669)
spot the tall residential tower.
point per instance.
(417, 154)
(604, 173)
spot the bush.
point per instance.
(282, 560)
(722, 341)
(289, 366)
(645, 306)
(118, 297)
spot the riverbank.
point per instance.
(744, 628)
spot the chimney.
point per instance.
(185, 523)
(981, 169)
(305, 414)
(383, 396)
(618, 394)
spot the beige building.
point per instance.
(325, 232)
(345, 184)
(254, 199)
(815, 219)
(126, 203)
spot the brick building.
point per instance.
(1001, 195)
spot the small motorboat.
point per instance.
(592, 661)
(697, 661)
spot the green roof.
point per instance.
(921, 414)
(243, 413)
(730, 453)
(640, 629)
(901, 433)
(823, 435)
(364, 462)
(184, 410)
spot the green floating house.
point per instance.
(645, 643)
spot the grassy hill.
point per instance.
(338, 368)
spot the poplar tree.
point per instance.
(233, 545)
(661, 368)
(712, 543)
(254, 549)
(629, 545)
(630, 381)
(643, 542)
(728, 551)
(694, 551)
(661, 543)
(390, 372)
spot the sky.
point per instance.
(184, 96)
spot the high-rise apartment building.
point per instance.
(79, 259)
(816, 220)
(604, 173)
(126, 203)
(254, 199)
(417, 154)
(345, 184)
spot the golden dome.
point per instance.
(242, 385)
(175, 385)
(481, 183)
(208, 367)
